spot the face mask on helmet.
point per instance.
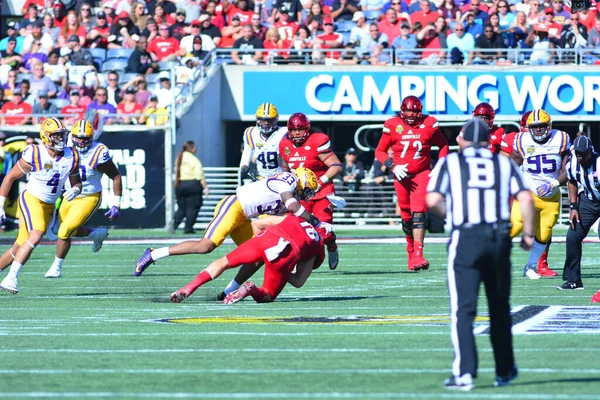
(57, 140)
(305, 193)
(82, 144)
(411, 110)
(539, 132)
(298, 128)
(266, 126)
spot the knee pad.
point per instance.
(419, 220)
(407, 227)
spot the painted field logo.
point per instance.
(415, 320)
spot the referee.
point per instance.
(582, 168)
(476, 186)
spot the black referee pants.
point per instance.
(589, 212)
(480, 253)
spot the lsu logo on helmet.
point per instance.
(540, 125)
(54, 134)
(82, 134)
(267, 118)
(307, 183)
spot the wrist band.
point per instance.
(2, 201)
(289, 202)
(117, 201)
(324, 179)
(573, 206)
(300, 211)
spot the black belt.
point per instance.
(496, 227)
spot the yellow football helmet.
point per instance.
(82, 134)
(540, 125)
(267, 117)
(54, 134)
(306, 183)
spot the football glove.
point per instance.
(2, 215)
(546, 188)
(252, 175)
(112, 213)
(401, 171)
(326, 227)
(72, 193)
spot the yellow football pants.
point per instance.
(546, 214)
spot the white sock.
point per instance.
(233, 285)
(58, 262)
(15, 267)
(160, 253)
(536, 252)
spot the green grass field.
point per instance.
(97, 333)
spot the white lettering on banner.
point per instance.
(412, 86)
(556, 84)
(133, 180)
(491, 96)
(455, 93)
(345, 96)
(311, 92)
(371, 94)
(528, 89)
(591, 86)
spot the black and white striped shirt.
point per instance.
(478, 185)
(587, 177)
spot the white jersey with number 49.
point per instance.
(265, 151)
(264, 196)
(542, 163)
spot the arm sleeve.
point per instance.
(569, 168)
(439, 140)
(517, 145)
(439, 180)
(248, 147)
(323, 144)
(384, 144)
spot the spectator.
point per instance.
(293, 8)
(505, 17)
(55, 70)
(533, 17)
(139, 16)
(59, 12)
(186, 71)
(177, 30)
(241, 9)
(274, 42)
(124, 5)
(561, 16)
(73, 108)
(154, 115)
(151, 31)
(12, 31)
(450, 10)
(189, 185)
(415, 7)
(343, 10)
(113, 90)
(168, 6)
(36, 35)
(375, 42)
(25, 87)
(40, 4)
(287, 29)
(349, 55)
(16, 107)
(3, 101)
(34, 55)
(481, 17)
(494, 21)
(301, 42)
(593, 43)
(587, 18)
(49, 28)
(142, 94)
(247, 48)
(554, 28)
(405, 44)
(361, 30)
(98, 35)
(123, 33)
(32, 17)
(101, 106)
(432, 42)
(78, 55)
(540, 43)
(521, 22)
(88, 90)
(315, 13)
(215, 18)
(490, 40)
(354, 171)
(573, 35)
(210, 30)
(328, 40)
(260, 31)
(164, 47)
(187, 42)
(86, 19)
(71, 28)
(390, 24)
(141, 60)
(109, 9)
(11, 84)
(164, 92)
(381, 174)
(426, 15)
(230, 34)
(10, 57)
(372, 8)
(43, 107)
(197, 51)
(129, 106)
(41, 83)
(161, 16)
(461, 45)
(471, 26)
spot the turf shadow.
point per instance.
(371, 272)
(544, 382)
(330, 298)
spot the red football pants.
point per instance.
(277, 272)
(411, 192)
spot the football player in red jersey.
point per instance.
(301, 148)
(509, 138)
(486, 112)
(411, 134)
(291, 243)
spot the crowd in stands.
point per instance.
(116, 56)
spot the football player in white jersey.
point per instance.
(542, 153)
(49, 166)
(261, 142)
(274, 195)
(94, 162)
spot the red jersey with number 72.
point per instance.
(307, 156)
(411, 144)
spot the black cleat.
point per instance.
(571, 286)
(221, 296)
(505, 380)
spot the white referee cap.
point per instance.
(475, 130)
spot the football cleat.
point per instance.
(144, 262)
(240, 294)
(333, 257)
(53, 272)
(530, 271)
(463, 383)
(596, 297)
(221, 296)
(505, 380)
(546, 272)
(418, 262)
(571, 286)
(102, 234)
(178, 296)
(9, 283)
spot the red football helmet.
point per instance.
(412, 110)
(298, 128)
(486, 112)
(523, 123)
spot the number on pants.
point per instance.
(406, 144)
(310, 231)
(542, 163)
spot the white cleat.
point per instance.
(102, 234)
(53, 272)
(333, 257)
(531, 272)
(9, 283)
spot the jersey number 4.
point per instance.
(268, 160)
(53, 182)
(416, 144)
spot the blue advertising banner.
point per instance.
(348, 95)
